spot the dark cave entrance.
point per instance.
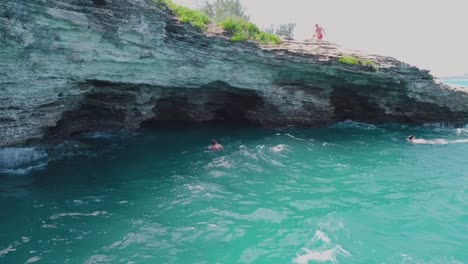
(207, 105)
(112, 106)
(349, 105)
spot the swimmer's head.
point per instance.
(410, 137)
(214, 142)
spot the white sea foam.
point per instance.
(438, 141)
(332, 225)
(461, 131)
(195, 188)
(7, 250)
(22, 171)
(327, 255)
(98, 258)
(324, 250)
(21, 160)
(260, 147)
(243, 150)
(320, 256)
(202, 190)
(458, 141)
(321, 236)
(220, 162)
(33, 259)
(49, 226)
(217, 174)
(95, 213)
(293, 137)
(12, 247)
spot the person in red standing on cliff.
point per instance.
(319, 32)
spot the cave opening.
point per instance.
(109, 106)
(350, 105)
(207, 106)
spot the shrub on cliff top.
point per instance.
(186, 15)
(367, 62)
(242, 30)
(351, 60)
(239, 28)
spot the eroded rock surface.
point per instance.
(74, 66)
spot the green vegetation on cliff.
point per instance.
(237, 26)
(242, 30)
(186, 15)
(351, 60)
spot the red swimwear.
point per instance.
(320, 36)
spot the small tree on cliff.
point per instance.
(283, 30)
(221, 10)
(269, 29)
(286, 30)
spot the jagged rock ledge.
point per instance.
(74, 66)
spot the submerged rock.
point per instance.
(75, 66)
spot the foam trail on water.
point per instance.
(325, 250)
(293, 137)
(321, 236)
(458, 141)
(95, 213)
(320, 256)
(438, 141)
(461, 131)
(220, 162)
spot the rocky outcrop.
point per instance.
(74, 66)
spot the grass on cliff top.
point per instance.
(351, 60)
(186, 15)
(239, 29)
(242, 30)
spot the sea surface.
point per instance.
(462, 82)
(348, 193)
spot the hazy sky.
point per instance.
(432, 34)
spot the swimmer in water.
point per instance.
(415, 140)
(215, 146)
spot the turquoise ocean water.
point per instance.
(349, 193)
(463, 82)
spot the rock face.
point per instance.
(75, 66)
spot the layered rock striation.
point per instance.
(75, 66)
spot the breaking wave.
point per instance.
(21, 160)
(322, 248)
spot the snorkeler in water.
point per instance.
(415, 140)
(215, 146)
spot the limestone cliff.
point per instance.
(74, 66)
